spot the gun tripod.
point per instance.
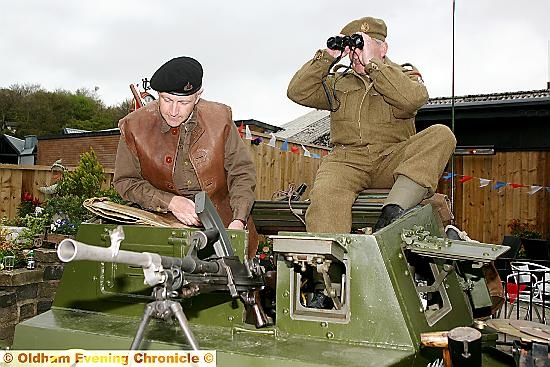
(164, 307)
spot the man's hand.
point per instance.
(372, 48)
(184, 210)
(236, 224)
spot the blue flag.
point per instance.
(499, 184)
(284, 146)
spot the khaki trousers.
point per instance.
(347, 171)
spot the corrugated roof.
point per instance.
(301, 123)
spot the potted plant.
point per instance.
(533, 246)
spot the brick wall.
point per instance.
(27, 293)
(69, 148)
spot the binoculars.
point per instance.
(340, 43)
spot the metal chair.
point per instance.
(525, 287)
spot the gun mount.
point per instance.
(387, 289)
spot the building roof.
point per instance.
(306, 126)
(515, 97)
(18, 145)
(266, 128)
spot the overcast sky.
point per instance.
(251, 48)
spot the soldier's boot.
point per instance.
(320, 300)
(404, 194)
(389, 213)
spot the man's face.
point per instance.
(177, 109)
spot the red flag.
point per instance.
(465, 179)
(515, 186)
(295, 150)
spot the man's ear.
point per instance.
(198, 95)
(384, 48)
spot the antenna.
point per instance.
(453, 114)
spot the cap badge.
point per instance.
(365, 27)
(188, 87)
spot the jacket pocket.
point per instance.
(349, 96)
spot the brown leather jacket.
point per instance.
(156, 153)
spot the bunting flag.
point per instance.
(483, 182)
(272, 141)
(284, 146)
(499, 185)
(534, 189)
(465, 179)
(306, 152)
(515, 185)
(448, 176)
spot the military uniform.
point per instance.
(372, 132)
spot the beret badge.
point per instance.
(188, 87)
(364, 27)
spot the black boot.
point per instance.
(389, 213)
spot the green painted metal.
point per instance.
(99, 305)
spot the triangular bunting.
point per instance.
(248, 134)
(284, 146)
(272, 141)
(306, 152)
(499, 185)
(534, 189)
(483, 182)
(315, 155)
(465, 179)
(448, 176)
(515, 185)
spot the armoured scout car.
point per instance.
(199, 292)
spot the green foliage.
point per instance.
(65, 211)
(523, 230)
(85, 181)
(37, 111)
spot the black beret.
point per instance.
(181, 76)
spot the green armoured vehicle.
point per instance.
(386, 289)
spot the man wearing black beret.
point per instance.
(180, 144)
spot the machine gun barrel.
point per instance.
(70, 250)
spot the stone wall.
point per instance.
(26, 293)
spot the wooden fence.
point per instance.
(483, 212)
(276, 170)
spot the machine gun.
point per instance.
(187, 277)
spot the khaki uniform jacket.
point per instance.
(377, 108)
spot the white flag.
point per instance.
(483, 182)
(272, 141)
(306, 152)
(248, 134)
(534, 189)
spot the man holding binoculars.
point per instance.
(373, 103)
